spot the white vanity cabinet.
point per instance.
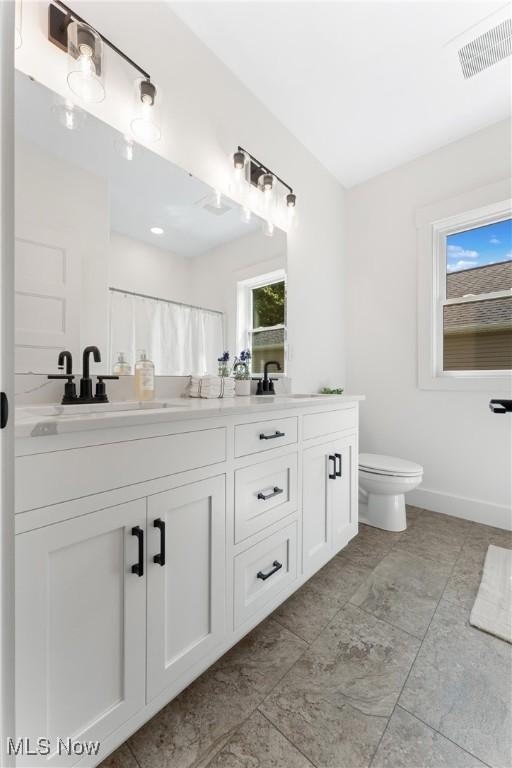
(186, 609)
(80, 628)
(182, 536)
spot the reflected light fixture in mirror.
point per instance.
(268, 228)
(145, 123)
(245, 214)
(125, 145)
(156, 231)
(85, 63)
(68, 114)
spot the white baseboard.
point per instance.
(475, 510)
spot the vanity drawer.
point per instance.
(263, 571)
(264, 435)
(49, 478)
(328, 422)
(264, 494)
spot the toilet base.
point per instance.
(386, 512)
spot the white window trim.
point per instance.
(434, 223)
(244, 311)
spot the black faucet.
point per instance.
(266, 386)
(86, 381)
(69, 388)
(67, 357)
(86, 395)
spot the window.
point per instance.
(465, 291)
(474, 306)
(262, 319)
(477, 301)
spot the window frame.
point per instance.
(434, 224)
(245, 313)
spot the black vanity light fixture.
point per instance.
(254, 172)
(86, 68)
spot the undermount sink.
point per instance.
(82, 409)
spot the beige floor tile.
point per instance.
(461, 685)
(201, 718)
(404, 589)
(313, 606)
(409, 743)
(258, 744)
(334, 702)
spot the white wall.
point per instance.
(206, 113)
(143, 268)
(465, 450)
(217, 272)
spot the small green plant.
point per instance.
(330, 391)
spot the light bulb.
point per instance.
(69, 115)
(268, 228)
(245, 214)
(85, 63)
(125, 145)
(145, 124)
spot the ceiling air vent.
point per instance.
(487, 49)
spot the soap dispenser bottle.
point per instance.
(144, 378)
(122, 367)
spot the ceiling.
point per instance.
(145, 192)
(365, 86)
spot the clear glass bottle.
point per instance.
(144, 378)
(121, 367)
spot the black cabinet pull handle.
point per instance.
(276, 566)
(332, 475)
(4, 410)
(138, 568)
(265, 496)
(160, 558)
(273, 436)
(338, 471)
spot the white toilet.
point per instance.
(383, 481)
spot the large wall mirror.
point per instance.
(117, 247)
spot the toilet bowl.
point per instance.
(383, 483)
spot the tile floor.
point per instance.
(371, 663)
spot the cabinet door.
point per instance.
(343, 493)
(186, 589)
(80, 628)
(316, 517)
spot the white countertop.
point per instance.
(46, 420)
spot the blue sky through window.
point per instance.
(476, 247)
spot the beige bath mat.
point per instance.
(492, 610)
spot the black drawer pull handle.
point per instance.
(138, 568)
(266, 496)
(332, 475)
(338, 471)
(160, 558)
(277, 433)
(276, 566)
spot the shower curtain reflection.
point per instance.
(180, 339)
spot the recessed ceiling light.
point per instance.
(156, 230)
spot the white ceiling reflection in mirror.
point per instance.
(95, 211)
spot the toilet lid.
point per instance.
(388, 465)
